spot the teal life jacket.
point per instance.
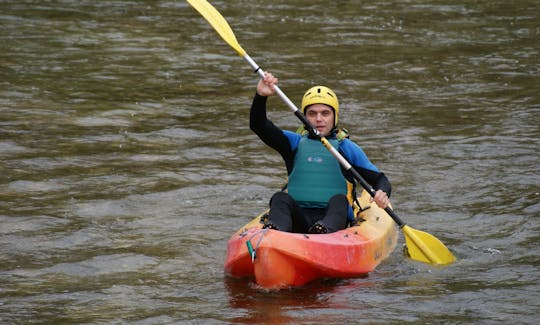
(316, 175)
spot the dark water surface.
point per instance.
(126, 161)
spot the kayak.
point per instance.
(277, 259)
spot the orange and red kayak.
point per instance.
(277, 259)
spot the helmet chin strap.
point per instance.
(332, 133)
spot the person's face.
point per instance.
(321, 117)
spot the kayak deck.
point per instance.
(282, 259)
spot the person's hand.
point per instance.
(265, 87)
(381, 199)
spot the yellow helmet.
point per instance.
(321, 95)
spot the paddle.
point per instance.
(421, 245)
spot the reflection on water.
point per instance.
(262, 306)
(126, 160)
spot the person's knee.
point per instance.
(338, 199)
(281, 207)
(336, 213)
(281, 197)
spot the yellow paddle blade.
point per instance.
(218, 22)
(426, 248)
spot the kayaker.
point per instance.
(319, 196)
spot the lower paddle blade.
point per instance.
(426, 248)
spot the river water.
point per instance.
(126, 161)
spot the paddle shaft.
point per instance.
(281, 94)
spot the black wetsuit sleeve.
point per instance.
(377, 180)
(270, 134)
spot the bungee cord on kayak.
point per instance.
(253, 250)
